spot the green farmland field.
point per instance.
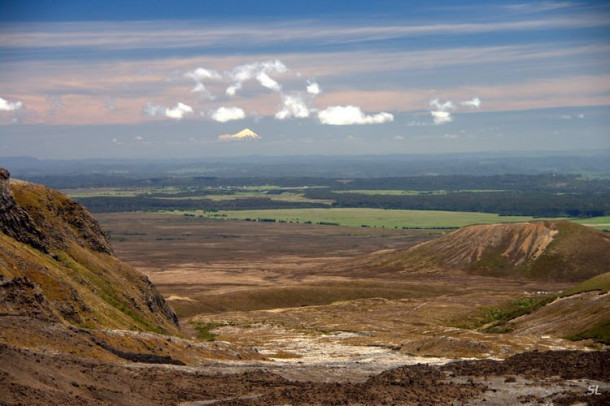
(601, 223)
(366, 217)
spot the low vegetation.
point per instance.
(364, 217)
(498, 319)
(507, 195)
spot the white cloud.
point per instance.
(349, 115)
(448, 105)
(266, 81)
(177, 112)
(313, 88)
(6, 105)
(441, 113)
(245, 134)
(441, 117)
(224, 114)
(200, 74)
(138, 138)
(257, 70)
(293, 105)
(474, 103)
(199, 87)
(569, 117)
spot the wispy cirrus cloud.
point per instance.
(165, 35)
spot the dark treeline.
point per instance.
(511, 203)
(108, 204)
(547, 195)
(551, 182)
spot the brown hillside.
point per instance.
(56, 262)
(559, 251)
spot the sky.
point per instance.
(188, 79)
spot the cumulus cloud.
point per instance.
(6, 105)
(266, 81)
(257, 70)
(199, 75)
(313, 88)
(293, 106)
(448, 105)
(224, 114)
(245, 134)
(349, 115)
(441, 111)
(473, 103)
(441, 117)
(177, 112)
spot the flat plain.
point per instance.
(366, 217)
(275, 287)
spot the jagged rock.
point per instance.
(75, 270)
(16, 222)
(22, 297)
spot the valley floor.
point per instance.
(291, 314)
(560, 378)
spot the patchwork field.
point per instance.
(365, 217)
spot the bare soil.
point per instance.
(29, 377)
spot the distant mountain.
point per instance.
(559, 251)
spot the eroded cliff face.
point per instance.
(541, 250)
(54, 254)
(14, 221)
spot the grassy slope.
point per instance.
(500, 319)
(86, 287)
(576, 254)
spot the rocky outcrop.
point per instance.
(15, 221)
(21, 297)
(46, 219)
(71, 274)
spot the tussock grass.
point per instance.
(299, 296)
(498, 319)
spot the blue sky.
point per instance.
(167, 79)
